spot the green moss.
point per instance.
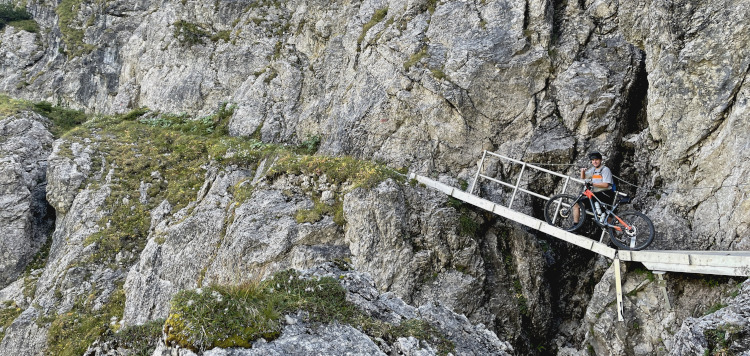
(71, 333)
(251, 311)
(645, 272)
(378, 16)
(190, 34)
(438, 73)
(9, 311)
(415, 58)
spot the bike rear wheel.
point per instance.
(637, 235)
(558, 212)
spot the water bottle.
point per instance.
(598, 210)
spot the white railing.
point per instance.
(516, 187)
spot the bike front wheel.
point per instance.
(635, 234)
(559, 211)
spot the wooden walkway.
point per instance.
(729, 263)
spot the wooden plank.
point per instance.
(724, 271)
(604, 250)
(731, 263)
(518, 217)
(577, 240)
(659, 257)
(447, 189)
(618, 289)
(719, 259)
(473, 200)
(624, 255)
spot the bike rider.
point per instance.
(600, 178)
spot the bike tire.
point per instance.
(644, 231)
(558, 212)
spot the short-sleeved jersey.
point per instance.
(600, 175)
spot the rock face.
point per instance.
(299, 338)
(25, 217)
(659, 87)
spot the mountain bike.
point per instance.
(629, 230)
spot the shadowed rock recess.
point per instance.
(236, 168)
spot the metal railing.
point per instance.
(516, 187)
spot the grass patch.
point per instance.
(467, 226)
(10, 106)
(190, 34)
(72, 30)
(9, 311)
(415, 58)
(17, 17)
(720, 339)
(252, 311)
(339, 170)
(139, 340)
(320, 209)
(714, 308)
(71, 333)
(378, 16)
(63, 119)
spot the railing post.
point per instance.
(565, 186)
(518, 181)
(618, 288)
(476, 176)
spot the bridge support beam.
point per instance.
(663, 285)
(618, 288)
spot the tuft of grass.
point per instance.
(17, 17)
(415, 58)
(378, 16)
(339, 170)
(63, 119)
(9, 311)
(71, 333)
(321, 209)
(139, 340)
(235, 316)
(309, 146)
(190, 34)
(720, 339)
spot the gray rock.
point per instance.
(25, 220)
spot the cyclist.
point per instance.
(601, 181)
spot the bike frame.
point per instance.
(609, 212)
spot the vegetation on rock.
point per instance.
(17, 17)
(72, 332)
(235, 316)
(9, 311)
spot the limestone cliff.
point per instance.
(144, 208)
